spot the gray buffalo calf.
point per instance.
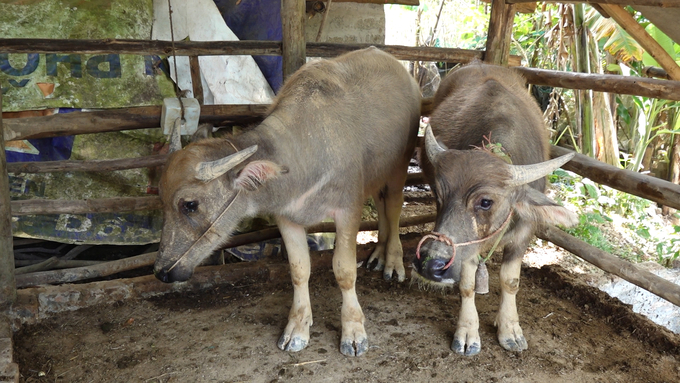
(339, 131)
(487, 168)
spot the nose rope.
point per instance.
(205, 232)
(444, 238)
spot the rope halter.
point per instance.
(445, 239)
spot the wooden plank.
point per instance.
(612, 264)
(293, 30)
(652, 3)
(627, 22)
(98, 205)
(87, 166)
(648, 87)
(8, 290)
(651, 188)
(500, 32)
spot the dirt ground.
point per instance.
(576, 334)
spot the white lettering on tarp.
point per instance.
(73, 223)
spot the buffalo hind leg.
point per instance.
(353, 341)
(509, 332)
(466, 340)
(389, 252)
(378, 254)
(296, 335)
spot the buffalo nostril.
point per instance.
(162, 275)
(436, 269)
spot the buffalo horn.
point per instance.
(432, 146)
(209, 170)
(523, 174)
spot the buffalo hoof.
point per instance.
(293, 344)
(378, 260)
(518, 343)
(354, 348)
(467, 350)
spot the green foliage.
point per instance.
(666, 43)
(597, 204)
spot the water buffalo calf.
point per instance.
(339, 131)
(483, 191)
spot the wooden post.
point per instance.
(293, 28)
(196, 83)
(8, 289)
(500, 33)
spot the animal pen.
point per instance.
(31, 297)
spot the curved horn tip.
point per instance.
(209, 170)
(432, 147)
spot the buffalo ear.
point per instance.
(537, 207)
(256, 173)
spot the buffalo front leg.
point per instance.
(466, 340)
(296, 335)
(510, 333)
(353, 341)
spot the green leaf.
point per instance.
(663, 40)
(614, 68)
(623, 46)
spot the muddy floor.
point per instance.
(575, 334)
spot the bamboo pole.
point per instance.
(627, 22)
(650, 3)
(8, 290)
(499, 36)
(584, 103)
(655, 189)
(612, 264)
(293, 28)
(148, 259)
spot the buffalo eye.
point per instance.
(485, 204)
(188, 206)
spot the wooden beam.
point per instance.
(499, 36)
(400, 2)
(293, 29)
(651, 188)
(8, 289)
(87, 166)
(246, 47)
(98, 205)
(627, 22)
(640, 86)
(122, 119)
(651, 3)
(612, 264)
